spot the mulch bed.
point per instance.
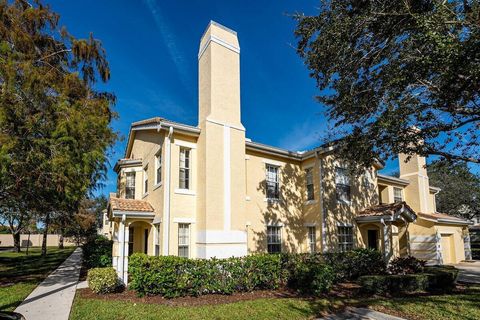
(209, 299)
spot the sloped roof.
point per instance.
(444, 218)
(393, 210)
(130, 205)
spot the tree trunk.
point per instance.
(60, 239)
(45, 233)
(16, 241)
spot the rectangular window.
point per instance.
(145, 179)
(158, 167)
(397, 194)
(184, 168)
(345, 238)
(342, 183)
(312, 239)
(183, 239)
(157, 239)
(130, 185)
(273, 186)
(274, 239)
(309, 181)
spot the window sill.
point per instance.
(309, 202)
(187, 192)
(144, 195)
(158, 185)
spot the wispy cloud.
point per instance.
(305, 135)
(169, 40)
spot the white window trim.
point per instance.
(185, 144)
(184, 220)
(310, 224)
(145, 179)
(158, 185)
(187, 192)
(189, 242)
(266, 199)
(157, 154)
(273, 162)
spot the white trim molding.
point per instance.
(185, 144)
(187, 192)
(184, 220)
(217, 40)
(272, 162)
(274, 224)
(220, 123)
(310, 224)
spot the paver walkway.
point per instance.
(469, 272)
(52, 299)
(361, 314)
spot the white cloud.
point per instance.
(168, 38)
(305, 135)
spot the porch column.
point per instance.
(125, 255)
(121, 248)
(387, 240)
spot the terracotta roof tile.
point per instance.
(119, 204)
(384, 209)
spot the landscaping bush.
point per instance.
(97, 252)
(406, 265)
(103, 280)
(308, 273)
(433, 279)
(171, 276)
(355, 263)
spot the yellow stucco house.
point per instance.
(208, 191)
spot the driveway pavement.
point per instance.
(469, 272)
(52, 299)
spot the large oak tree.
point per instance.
(397, 76)
(54, 123)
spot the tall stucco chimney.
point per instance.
(417, 192)
(221, 147)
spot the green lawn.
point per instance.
(20, 274)
(464, 306)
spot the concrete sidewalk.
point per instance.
(52, 299)
(469, 272)
(360, 314)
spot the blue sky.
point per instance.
(152, 48)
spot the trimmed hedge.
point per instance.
(406, 265)
(103, 280)
(172, 276)
(97, 252)
(433, 279)
(356, 263)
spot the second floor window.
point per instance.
(273, 188)
(158, 167)
(309, 182)
(342, 184)
(130, 185)
(145, 180)
(397, 194)
(184, 168)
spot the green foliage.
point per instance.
(406, 265)
(397, 76)
(172, 276)
(460, 194)
(54, 124)
(308, 273)
(97, 252)
(103, 280)
(355, 263)
(433, 279)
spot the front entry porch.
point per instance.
(385, 228)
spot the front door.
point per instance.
(145, 242)
(373, 239)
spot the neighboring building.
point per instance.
(207, 191)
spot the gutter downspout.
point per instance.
(166, 201)
(323, 210)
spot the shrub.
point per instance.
(103, 280)
(97, 252)
(406, 265)
(308, 273)
(433, 279)
(355, 263)
(171, 276)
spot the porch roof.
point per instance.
(388, 212)
(133, 207)
(443, 218)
